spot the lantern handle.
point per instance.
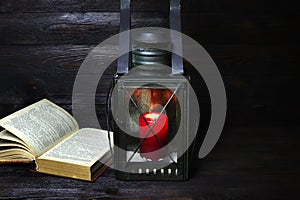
(176, 39)
(124, 39)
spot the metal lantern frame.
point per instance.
(177, 169)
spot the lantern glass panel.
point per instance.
(148, 135)
(145, 106)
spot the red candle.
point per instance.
(160, 129)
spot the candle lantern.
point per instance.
(150, 106)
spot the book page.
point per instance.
(84, 147)
(15, 153)
(12, 149)
(40, 125)
(9, 137)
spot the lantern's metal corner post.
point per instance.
(175, 24)
(124, 39)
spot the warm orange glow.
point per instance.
(153, 100)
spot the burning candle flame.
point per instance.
(152, 116)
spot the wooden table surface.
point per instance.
(256, 47)
(247, 163)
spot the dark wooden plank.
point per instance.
(258, 6)
(15, 6)
(233, 28)
(232, 60)
(247, 163)
(46, 59)
(80, 6)
(93, 27)
(76, 28)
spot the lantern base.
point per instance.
(173, 172)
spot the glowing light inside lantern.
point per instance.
(155, 139)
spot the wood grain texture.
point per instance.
(240, 167)
(256, 6)
(94, 27)
(232, 60)
(255, 44)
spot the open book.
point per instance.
(45, 133)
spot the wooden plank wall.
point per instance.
(255, 44)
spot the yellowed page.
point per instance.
(84, 147)
(7, 136)
(8, 145)
(9, 154)
(40, 125)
